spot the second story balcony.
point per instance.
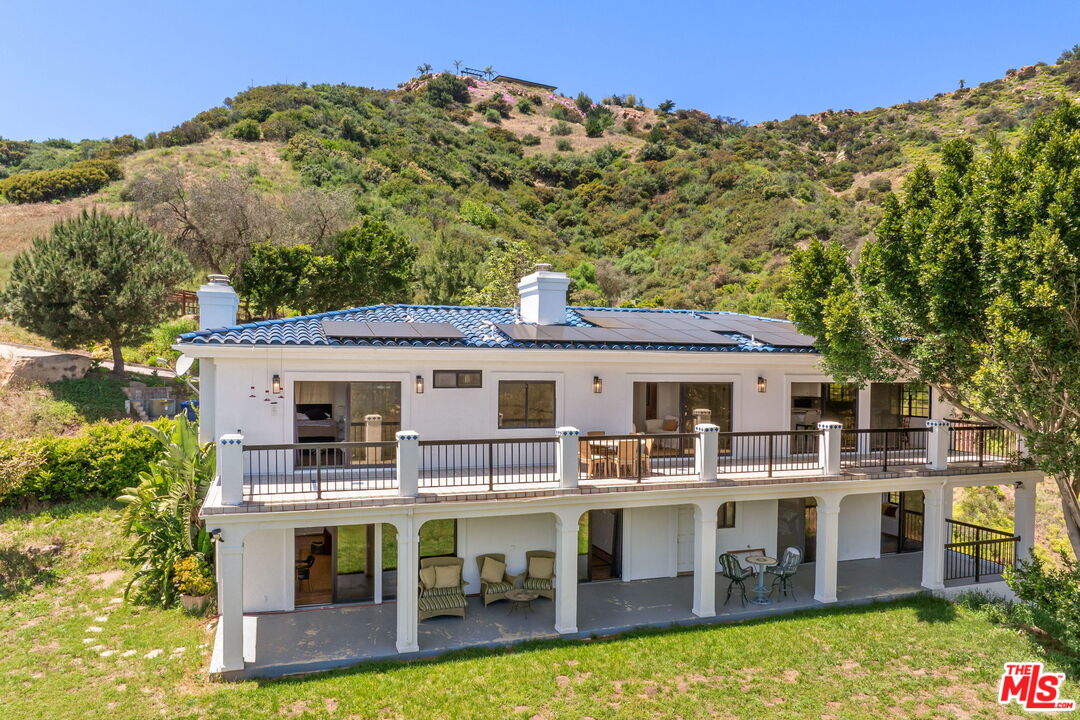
(295, 476)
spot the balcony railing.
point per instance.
(972, 551)
(320, 470)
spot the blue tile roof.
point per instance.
(477, 324)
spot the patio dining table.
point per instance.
(760, 562)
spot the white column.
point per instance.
(706, 446)
(937, 445)
(229, 557)
(1024, 518)
(377, 571)
(828, 529)
(566, 569)
(933, 565)
(207, 389)
(230, 468)
(566, 456)
(408, 463)
(829, 447)
(408, 575)
(705, 559)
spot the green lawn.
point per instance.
(72, 650)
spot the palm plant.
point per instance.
(489, 71)
(423, 69)
(457, 67)
(162, 513)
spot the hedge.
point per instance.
(101, 461)
(81, 178)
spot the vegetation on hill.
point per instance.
(649, 207)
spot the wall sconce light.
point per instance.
(597, 384)
(419, 384)
(275, 384)
(762, 384)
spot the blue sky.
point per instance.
(97, 69)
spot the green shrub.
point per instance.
(564, 145)
(1049, 598)
(583, 103)
(561, 128)
(881, 185)
(497, 103)
(530, 139)
(525, 106)
(247, 130)
(100, 461)
(479, 214)
(82, 178)
(186, 133)
(492, 115)
(445, 89)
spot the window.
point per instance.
(526, 404)
(458, 379)
(915, 400)
(725, 516)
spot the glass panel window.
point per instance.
(526, 404)
(915, 400)
(458, 379)
(725, 516)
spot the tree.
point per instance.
(370, 264)
(95, 277)
(445, 89)
(457, 67)
(423, 69)
(275, 276)
(972, 286)
(507, 264)
(962, 82)
(583, 103)
(489, 71)
(1071, 54)
(666, 107)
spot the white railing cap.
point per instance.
(231, 439)
(567, 431)
(937, 423)
(830, 425)
(407, 435)
(706, 428)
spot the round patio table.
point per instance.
(521, 600)
(760, 562)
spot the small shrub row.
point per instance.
(81, 178)
(100, 461)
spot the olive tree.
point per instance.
(94, 278)
(973, 286)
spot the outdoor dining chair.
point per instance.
(736, 574)
(784, 570)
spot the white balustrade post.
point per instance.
(408, 463)
(1024, 517)
(937, 445)
(705, 559)
(828, 547)
(566, 569)
(229, 558)
(706, 446)
(933, 552)
(829, 447)
(230, 468)
(566, 456)
(408, 577)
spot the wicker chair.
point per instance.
(492, 591)
(544, 586)
(736, 574)
(441, 601)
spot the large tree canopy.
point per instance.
(95, 277)
(973, 286)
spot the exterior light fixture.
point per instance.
(419, 384)
(762, 384)
(597, 384)
(276, 384)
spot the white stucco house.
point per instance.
(633, 446)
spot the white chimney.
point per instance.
(543, 296)
(218, 303)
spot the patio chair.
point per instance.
(492, 589)
(597, 463)
(784, 570)
(736, 574)
(442, 588)
(631, 458)
(303, 571)
(536, 582)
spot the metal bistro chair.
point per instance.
(784, 570)
(736, 575)
(303, 571)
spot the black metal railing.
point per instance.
(973, 551)
(980, 442)
(768, 452)
(487, 463)
(883, 448)
(319, 468)
(635, 457)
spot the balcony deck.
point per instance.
(369, 486)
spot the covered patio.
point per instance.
(334, 636)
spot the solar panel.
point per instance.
(358, 329)
(773, 333)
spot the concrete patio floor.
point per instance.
(335, 636)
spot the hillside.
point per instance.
(640, 206)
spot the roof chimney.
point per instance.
(218, 303)
(543, 296)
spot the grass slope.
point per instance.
(75, 650)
